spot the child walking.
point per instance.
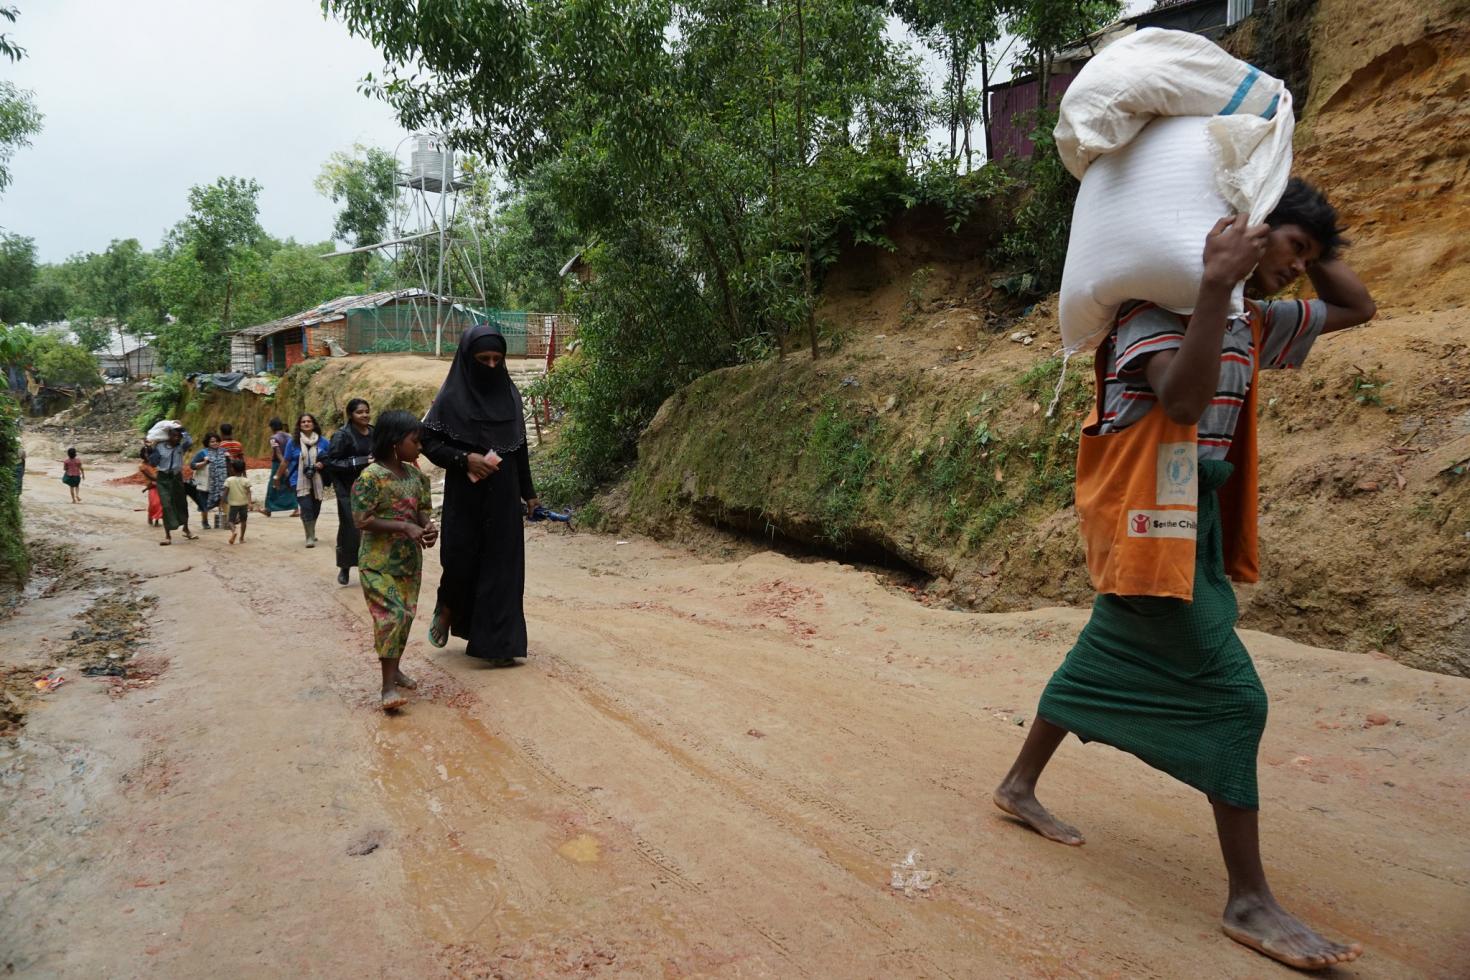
(229, 444)
(72, 473)
(392, 508)
(237, 498)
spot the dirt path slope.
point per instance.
(703, 770)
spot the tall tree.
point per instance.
(19, 121)
(18, 279)
(962, 32)
(8, 47)
(220, 230)
(19, 117)
(364, 182)
(1048, 26)
(114, 298)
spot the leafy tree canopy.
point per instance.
(364, 183)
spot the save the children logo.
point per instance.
(1161, 524)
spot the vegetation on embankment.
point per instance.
(14, 561)
(319, 386)
(928, 447)
(930, 452)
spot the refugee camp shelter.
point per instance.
(1013, 104)
(390, 321)
(398, 321)
(128, 357)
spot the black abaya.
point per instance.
(483, 549)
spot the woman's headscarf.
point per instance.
(479, 406)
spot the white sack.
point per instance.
(159, 432)
(1155, 72)
(1139, 227)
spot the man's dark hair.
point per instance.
(237, 466)
(1306, 207)
(277, 425)
(392, 428)
(226, 430)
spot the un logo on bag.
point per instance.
(1177, 468)
(1180, 469)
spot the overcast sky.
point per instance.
(146, 98)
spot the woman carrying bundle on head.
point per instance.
(476, 430)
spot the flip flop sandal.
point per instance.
(438, 632)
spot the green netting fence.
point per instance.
(410, 327)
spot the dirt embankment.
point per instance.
(1386, 130)
(922, 442)
(322, 387)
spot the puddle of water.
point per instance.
(583, 849)
(456, 812)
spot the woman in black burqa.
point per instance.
(476, 430)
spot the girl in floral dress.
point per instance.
(392, 508)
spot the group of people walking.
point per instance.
(1166, 491)
(475, 430)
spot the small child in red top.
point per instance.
(72, 473)
(228, 444)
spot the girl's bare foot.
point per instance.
(404, 681)
(1269, 929)
(1023, 805)
(392, 700)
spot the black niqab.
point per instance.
(479, 406)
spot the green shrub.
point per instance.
(1042, 223)
(164, 400)
(14, 560)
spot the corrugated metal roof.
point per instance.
(334, 309)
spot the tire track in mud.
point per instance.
(967, 912)
(519, 761)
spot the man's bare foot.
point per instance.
(392, 700)
(233, 535)
(164, 543)
(403, 680)
(1026, 808)
(1269, 929)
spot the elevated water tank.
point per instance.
(429, 162)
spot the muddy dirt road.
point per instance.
(704, 769)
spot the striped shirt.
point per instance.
(1291, 327)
